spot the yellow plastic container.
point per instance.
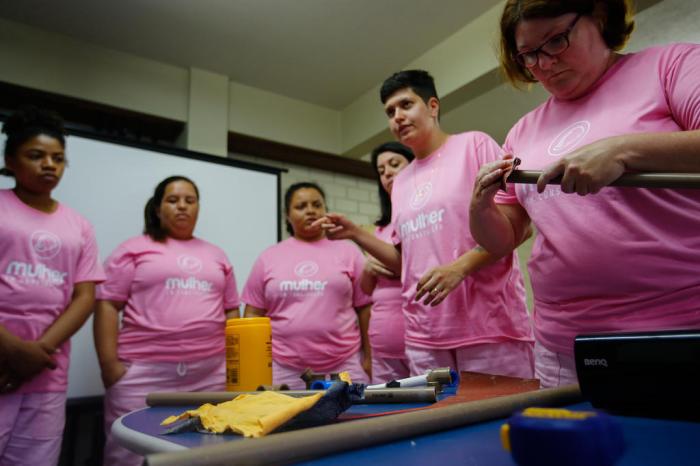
(248, 353)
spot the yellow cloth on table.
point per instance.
(249, 415)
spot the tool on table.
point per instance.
(309, 377)
(439, 377)
(554, 437)
(388, 395)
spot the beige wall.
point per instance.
(668, 21)
(50, 62)
(207, 113)
(271, 116)
(55, 63)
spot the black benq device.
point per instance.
(654, 374)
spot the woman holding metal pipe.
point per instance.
(605, 259)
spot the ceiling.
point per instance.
(325, 52)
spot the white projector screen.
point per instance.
(109, 184)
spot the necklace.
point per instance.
(423, 190)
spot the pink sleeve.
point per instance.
(507, 197)
(683, 86)
(254, 289)
(119, 268)
(395, 240)
(89, 268)
(488, 150)
(231, 299)
(359, 297)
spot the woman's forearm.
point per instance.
(368, 281)
(660, 152)
(73, 318)
(475, 260)
(363, 317)
(498, 229)
(385, 253)
(106, 331)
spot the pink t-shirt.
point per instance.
(176, 295)
(387, 332)
(625, 258)
(43, 256)
(310, 291)
(430, 202)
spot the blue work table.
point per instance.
(648, 441)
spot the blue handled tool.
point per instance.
(556, 437)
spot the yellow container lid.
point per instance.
(244, 321)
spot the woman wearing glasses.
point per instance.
(606, 259)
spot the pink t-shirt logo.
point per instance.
(569, 138)
(189, 264)
(306, 269)
(422, 195)
(304, 287)
(45, 244)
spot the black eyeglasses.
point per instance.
(554, 46)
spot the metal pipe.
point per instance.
(628, 180)
(384, 395)
(199, 398)
(400, 395)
